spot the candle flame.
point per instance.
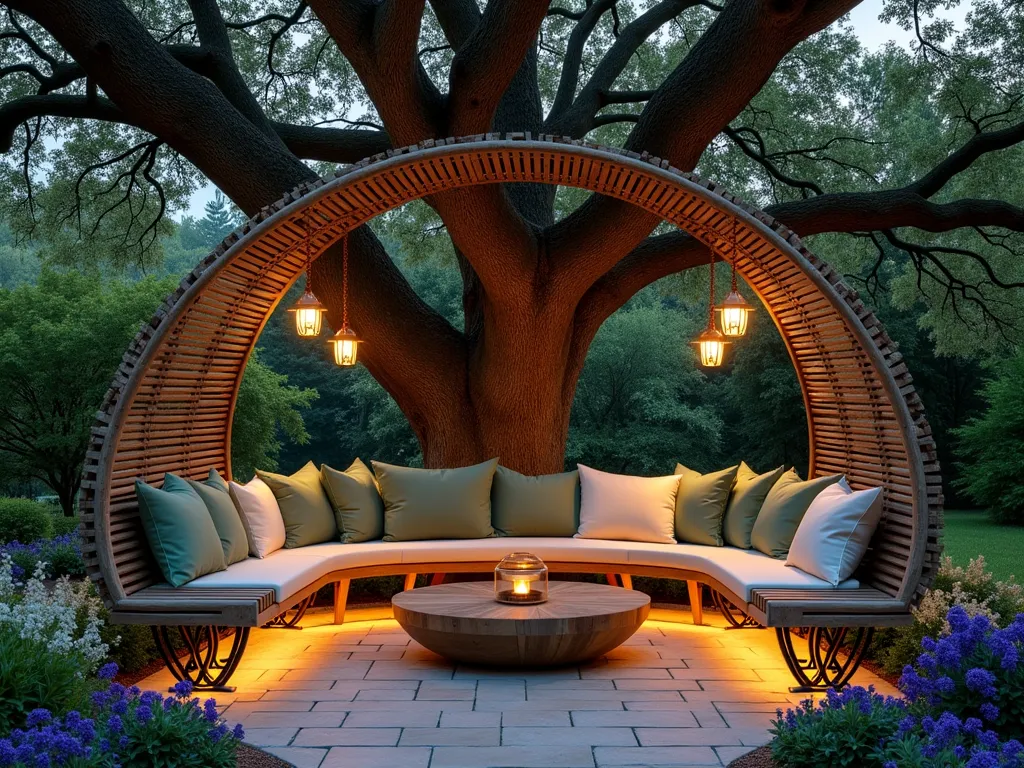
(521, 586)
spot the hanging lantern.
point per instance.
(711, 347)
(734, 311)
(711, 343)
(345, 342)
(346, 347)
(309, 312)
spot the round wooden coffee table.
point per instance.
(464, 623)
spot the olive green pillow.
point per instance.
(307, 514)
(180, 531)
(358, 507)
(214, 493)
(748, 495)
(782, 511)
(700, 505)
(436, 503)
(545, 505)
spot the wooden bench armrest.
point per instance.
(861, 607)
(195, 606)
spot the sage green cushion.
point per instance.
(700, 505)
(436, 503)
(180, 530)
(358, 507)
(545, 505)
(214, 493)
(748, 494)
(782, 511)
(307, 514)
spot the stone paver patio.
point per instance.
(364, 695)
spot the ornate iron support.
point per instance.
(203, 665)
(290, 619)
(823, 668)
(735, 616)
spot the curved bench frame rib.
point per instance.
(170, 406)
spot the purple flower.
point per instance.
(981, 681)
(38, 717)
(238, 732)
(114, 724)
(183, 689)
(107, 671)
(989, 711)
(210, 710)
(143, 714)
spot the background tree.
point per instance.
(114, 110)
(207, 232)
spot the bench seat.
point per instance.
(289, 571)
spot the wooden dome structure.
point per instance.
(170, 406)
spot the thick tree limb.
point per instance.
(963, 158)
(486, 62)
(169, 100)
(380, 42)
(573, 58)
(577, 119)
(213, 37)
(331, 145)
(693, 105)
(873, 211)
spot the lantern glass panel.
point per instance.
(308, 321)
(521, 579)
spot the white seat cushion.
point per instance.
(739, 570)
(287, 571)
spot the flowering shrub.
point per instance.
(844, 730)
(972, 588)
(126, 727)
(975, 671)
(964, 708)
(50, 644)
(62, 555)
(24, 519)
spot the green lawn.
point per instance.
(971, 533)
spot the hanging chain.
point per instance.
(711, 299)
(735, 252)
(344, 282)
(309, 261)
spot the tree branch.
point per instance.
(963, 158)
(331, 145)
(573, 59)
(213, 37)
(486, 62)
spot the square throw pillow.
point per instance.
(748, 494)
(627, 508)
(835, 532)
(307, 513)
(180, 531)
(260, 515)
(782, 511)
(214, 493)
(542, 505)
(700, 505)
(436, 503)
(358, 507)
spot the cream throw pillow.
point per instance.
(834, 534)
(261, 516)
(627, 508)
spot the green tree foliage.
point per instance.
(60, 342)
(992, 445)
(206, 233)
(639, 403)
(267, 409)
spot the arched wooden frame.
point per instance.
(170, 406)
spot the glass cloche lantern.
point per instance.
(521, 579)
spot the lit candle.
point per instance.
(521, 586)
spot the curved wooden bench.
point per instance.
(171, 402)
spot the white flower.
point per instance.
(51, 616)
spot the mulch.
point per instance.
(759, 758)
(250, 757)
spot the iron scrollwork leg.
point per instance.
(290, 619)
(203, 664)
(737, 618)
(822, 668)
